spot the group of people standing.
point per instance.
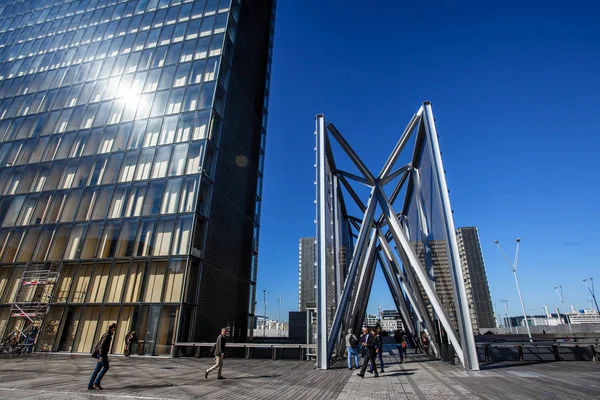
(370, 346)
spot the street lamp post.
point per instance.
(559, 292)
(265, 321)
(279, 314)
(506, 314)
(592, 291)
(513, 266)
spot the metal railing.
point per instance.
(249, 348)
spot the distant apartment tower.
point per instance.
(476, 284)
(437, 266)
(307, 273)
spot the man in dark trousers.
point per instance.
(378, 350)
(219, 350)
(367, 343)
(102, 347)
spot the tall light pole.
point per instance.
(265, 292)
(506, 314)
(559, 292)
(592, 291)
(513, 266)
(279, 314)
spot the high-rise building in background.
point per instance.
(439, 273)
(307, 273)
(476, 284)
(131, 160)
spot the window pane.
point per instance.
(143, 239)
(173, 289)
(155, 281)
(153, 198)
(178, 160)
(181, 240)
(188, 196)
(171, 196)
(161, 161)
(162, 241)
(109, 240)
(134, 282)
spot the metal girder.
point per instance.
(363, 289)
(359, 248)
(354, 177)
(403, 245)
(395, 174)
(463, 314)
(397, 295)
(400, 145)
(352, 154)
(352, 193)
(413, 294)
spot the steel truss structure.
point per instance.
(403, 240)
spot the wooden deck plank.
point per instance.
(420, 377)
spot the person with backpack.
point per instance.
(101, 354)
(403, 346)
(218, 350)
(352, 347)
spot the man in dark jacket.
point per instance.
(103, 348)
(378, 351)
(219, 349)
(367, 343)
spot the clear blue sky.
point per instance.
(515, 91)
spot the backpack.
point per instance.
(353, 341)
(97, 347)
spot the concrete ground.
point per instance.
(59, 376)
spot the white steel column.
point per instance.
(322, 359)
(463, 314)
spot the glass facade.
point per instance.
(132, 141)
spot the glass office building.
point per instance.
(131, 155)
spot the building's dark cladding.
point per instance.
(227, 288)
(132, 139)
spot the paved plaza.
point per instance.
(65, 377)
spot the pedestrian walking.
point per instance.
(352, 348)
(218, 350)
(417, 342)
(101, 354)
(367, 344)
(378, 351)
(403, 347)
(130, 340)
(425, 341)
